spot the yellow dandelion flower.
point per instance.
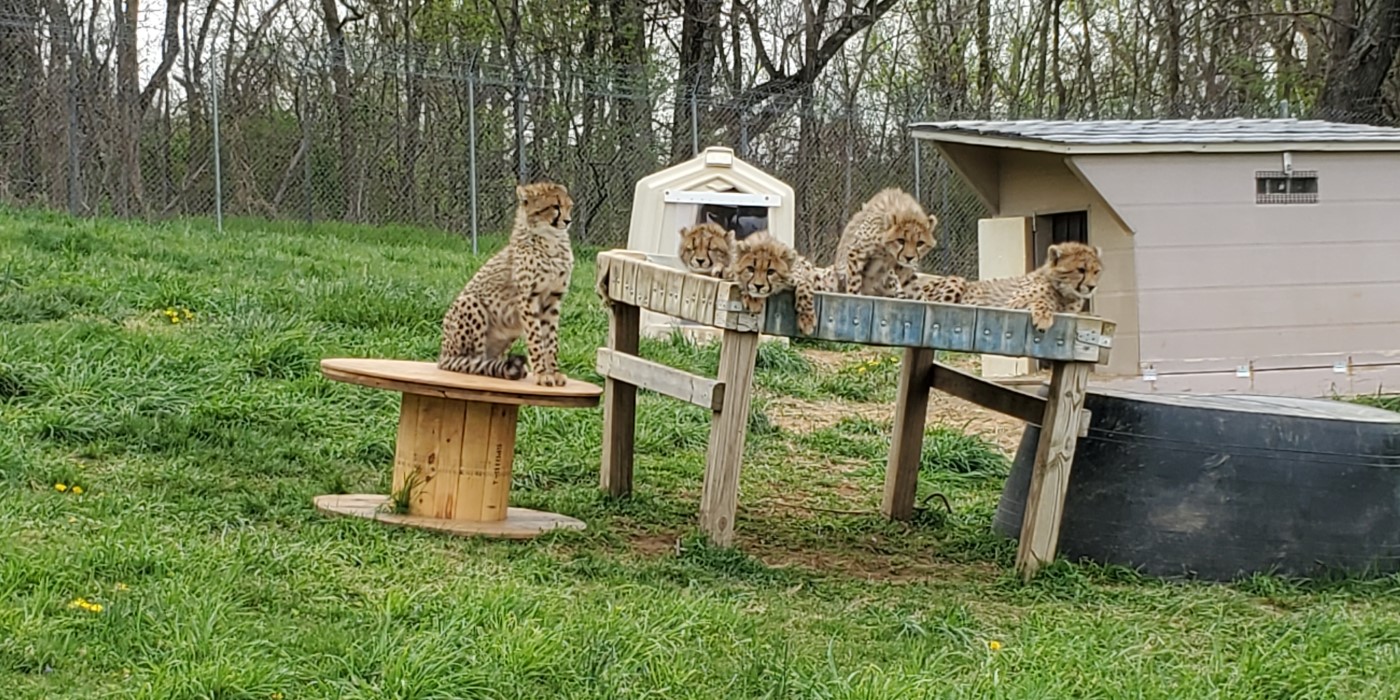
(95, 607)
(860, 370)
(994, 645)
(78, 603)
(60, 487)
(122, 586)
(77, 490)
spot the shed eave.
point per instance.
(1030, 144)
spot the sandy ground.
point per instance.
(802, 416)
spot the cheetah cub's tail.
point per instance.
(507, 367)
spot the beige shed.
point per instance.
(715, 186)
(1241, 255)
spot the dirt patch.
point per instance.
(868, 566)
(804, 416)
(869, 562)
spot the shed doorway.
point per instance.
(1061, 227)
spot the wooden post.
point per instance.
(910, 410)
(620, 405)
(719, 497)
(1045, 501)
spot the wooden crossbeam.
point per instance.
(669, 381)
(989, 395)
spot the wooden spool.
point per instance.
(455, 448)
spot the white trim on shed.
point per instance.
(1163, 135)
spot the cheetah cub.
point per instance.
(517, 291)
(764, 266)
(936, 288)
(1062, 285)
(882, 244)
(706, 248)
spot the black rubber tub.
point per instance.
(1222, 487)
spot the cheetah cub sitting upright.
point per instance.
(882, 244)
(1062, 285)
(706, 249)
(763, 266)
(517, 291)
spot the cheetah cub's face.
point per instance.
(762, 264)
(545, 205)
(1074, 268)
(909, 235)
(706, 248)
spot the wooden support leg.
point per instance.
(719, 498)
(1059, 431)
(911, 407)
(620, 405)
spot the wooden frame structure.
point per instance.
(455, 449)
(631, 281)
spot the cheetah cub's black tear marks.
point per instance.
(516, 292)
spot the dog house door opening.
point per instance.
(740, 212)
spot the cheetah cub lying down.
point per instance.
(882, 244)
(763, 266)
(517, 291)
(936, 288)
(706, 249)
(1062, 285)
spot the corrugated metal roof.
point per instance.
(1173, 134)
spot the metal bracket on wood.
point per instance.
(1093, 337)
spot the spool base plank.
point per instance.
(519, 523)
(455, 448)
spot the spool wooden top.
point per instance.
(424, 378)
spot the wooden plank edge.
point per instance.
(460, 394)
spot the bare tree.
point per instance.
(1363, 54)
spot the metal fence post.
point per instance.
(694, 126)
(471, 147)
(218, 173)
(744, 134)
(521, 169)
(918, 171)
(74, 200)
(306, 145)
(850, 158)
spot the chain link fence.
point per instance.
(378, 137)
(371, 134)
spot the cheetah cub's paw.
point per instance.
(551, 379)
(1042, 318)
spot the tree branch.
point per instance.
(764, 59)
(170, 48)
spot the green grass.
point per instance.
(199, 445)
